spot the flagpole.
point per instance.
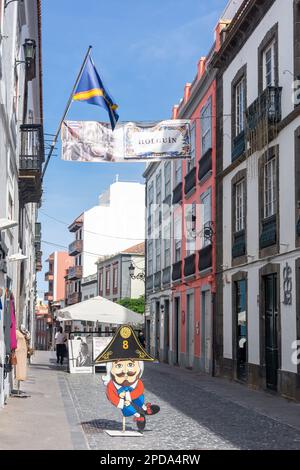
(65, 112)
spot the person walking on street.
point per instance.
(60, 342)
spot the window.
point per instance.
(158, 188)
(178, 172)
(150, 202)
(269, 65)
(107, 280)
(1, 14)
(10, 211)
(78, 260)
(167, 178)
(206, 119)
(151, 194)
(240, 100)
(191, 161)
(167, 245)
(177, 239)
(270, 188)
(190, 221)
(240, 206)
(206, 218)
(158, 254)
(78, 235)
(115, 277)
(150, 257)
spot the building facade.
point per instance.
(114, 280)
(43, 328)
(116, 223)
(181, 248)
(258, 255)
(21, 158)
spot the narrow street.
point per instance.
(67, 411)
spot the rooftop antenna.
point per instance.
(117, 178)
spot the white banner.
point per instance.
(91, 141)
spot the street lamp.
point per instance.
(7, 223)
(140, 276)
(29, 48)
(7, 2)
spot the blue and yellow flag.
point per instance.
(91, 89)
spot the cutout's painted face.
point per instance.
(125, 372)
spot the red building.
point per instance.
(181, 266)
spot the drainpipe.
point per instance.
(213, 299)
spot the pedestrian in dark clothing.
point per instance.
(142, 339)
(60, 342)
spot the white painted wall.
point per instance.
(19, 21)
(118, 223)
(281, 12)
(138, 286)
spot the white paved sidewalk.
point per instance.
(40, 421)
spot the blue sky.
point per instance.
(145, 51)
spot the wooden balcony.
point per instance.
(49, 276)
(74, 298)
(48, 296)
(157, 280)
(205, 258)
(190, 181)
(176, 272)
(75, 272)
(205, 165)
(75, 247)
(30, 162)
(177, 194)
(38, 260)
(149, 283)
(190, 265)
(166, 277)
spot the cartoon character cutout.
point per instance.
(124, 357)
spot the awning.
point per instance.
(101, 310)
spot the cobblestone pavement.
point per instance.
(193, 415)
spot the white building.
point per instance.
(21, 157)
(258, 320)
(116, 223)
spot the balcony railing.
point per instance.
(75, 272)
(205, 165)
(268, 235)
(267, 105)
(38, 260)
(190, 181)
(75, 248)
(205, 258)
(177, 194)
(166, 277)
(74, 298)
(239, 244)
(239, 146)
(176, 272)
(190, 265)
(48, 276)
(48, 296)
(149, 283)
(38, 232)
(30, 162)
(157, 280)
